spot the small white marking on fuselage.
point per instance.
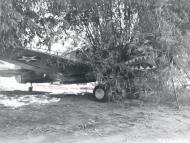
(28, 59)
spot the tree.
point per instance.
(174, 42)
(118, 38)
(113, 45)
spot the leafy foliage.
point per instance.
(123, 40)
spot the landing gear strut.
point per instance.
(30, 89)
(100, 93)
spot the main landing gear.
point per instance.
(30, 89)
(100, 93)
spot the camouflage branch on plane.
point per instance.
(38, 67)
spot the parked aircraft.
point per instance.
(39, 67)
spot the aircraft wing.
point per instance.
(42, 62)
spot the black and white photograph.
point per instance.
(94, 71)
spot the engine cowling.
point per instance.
(33, 77)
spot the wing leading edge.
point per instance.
(38, 63)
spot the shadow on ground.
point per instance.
(20, 92)
(77, 118)
(80, 96)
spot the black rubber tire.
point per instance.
(104, 97)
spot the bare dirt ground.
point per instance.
(77, 118)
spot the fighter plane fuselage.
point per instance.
(37, 67)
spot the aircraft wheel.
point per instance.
(99, 93)
(30, 89)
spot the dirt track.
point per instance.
(77, 118)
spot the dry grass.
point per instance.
(167, 97)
